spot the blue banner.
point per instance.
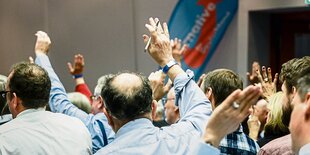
(201, 24)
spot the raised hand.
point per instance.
(78, 65)
(157, 80)
(31, 60)
(254, 125)
(43, 43)
(200, 80)
(160, 48)
(269, 85)
(177, 49)
(253, 77)
(230, 113)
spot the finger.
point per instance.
(183, 49)
(246, 111)
(152, 22)
(145, 38)
(31, 60)
(264, 74)
(275, 80)
(70, 67)
(172, 43)
(269, 74)
(260, 78)
(158, 26)
(152, 31)
(227, 103)
(249, 76)
(247, 96)
(255, 66)
(166, 31)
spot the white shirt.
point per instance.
(35, 131)
(305, 150)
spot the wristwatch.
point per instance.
(169, 65)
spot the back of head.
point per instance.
(222, 82)
(127, 96)
(292, 70)
(303, 86)
(101, 83)
(3, 80)
(80, 100)
(31, 84)
(275, 125)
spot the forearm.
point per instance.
(83, 88)
(58, 101)
(193, 104)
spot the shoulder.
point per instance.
(282, 144)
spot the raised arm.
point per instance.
(97, 125)
(195, 108)
(76, 70)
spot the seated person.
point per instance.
(80, 101)
(130, 109)
(34, 130)
(218, 85)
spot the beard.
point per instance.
(287, 109)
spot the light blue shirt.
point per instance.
(97, 125)
(304, 150)
(141, 137)
(36, 131)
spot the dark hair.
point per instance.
(31, 84)
(127, 102)
(303, 86)
(223, 82)
(292, 70)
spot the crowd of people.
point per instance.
(129, 113)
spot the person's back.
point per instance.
(34, 130)
(42, 132)
(142, 137)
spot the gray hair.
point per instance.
(80, 100)
(101, 82)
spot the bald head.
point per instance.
(127, 84)
(127, 95)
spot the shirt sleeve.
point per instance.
(193, 105)
(83, 89)
(59, 103)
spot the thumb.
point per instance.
(70, 67)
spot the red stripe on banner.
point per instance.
(196, 56)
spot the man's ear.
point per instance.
(209, 93)
(307, 101)
(154, 108)
(100, 104)
(16, 105)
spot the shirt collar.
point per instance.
(27, 111)
(134, 125)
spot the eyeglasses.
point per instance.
(94, 97)
(3, 94)
(165, 100)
